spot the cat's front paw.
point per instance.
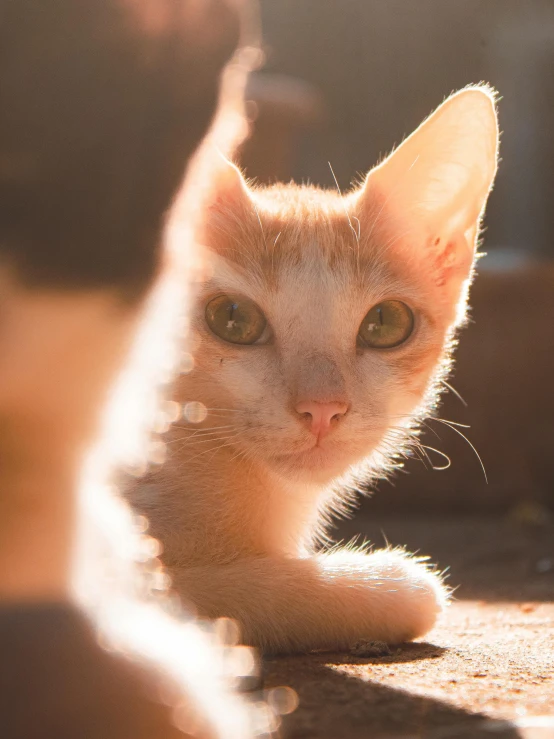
(418, 593)
(386, 595)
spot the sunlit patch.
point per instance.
(149, 548)
(283, 700)
(195, 412)
(170, 412)
(242, 662)
(530, 727)
(157, 452)
(187, 720)
(265, 721)
(186, 364)
(173, 410)
(227, 631)
(162, 424)
(160, 580)
(140, 524)
(136, 469)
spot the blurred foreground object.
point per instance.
(102, 104)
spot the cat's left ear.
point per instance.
(432, 190)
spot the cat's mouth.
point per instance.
(317, 456)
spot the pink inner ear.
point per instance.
(453, 259)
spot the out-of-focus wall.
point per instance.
(383, 65)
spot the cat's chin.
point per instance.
(317, 464)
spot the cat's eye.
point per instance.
(387, 324)
(237, 320)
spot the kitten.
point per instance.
(321, 334)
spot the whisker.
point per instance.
(218, 448)
(194, 433)
(356, 233)
(242, 453)
(260, 222)
(276, 239)
(420, 454)
(203, 428)
(431, 429)
(441, 454)
(231, 410)
(422, 450)
(212, 439)
(450, 423)
(453, 426)
(454, 391)
(221, 417)
(256, 267)
(187, 443)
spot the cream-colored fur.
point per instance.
(247, 492)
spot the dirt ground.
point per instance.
(485, 672)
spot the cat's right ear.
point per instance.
(228, 210)
(229, 189)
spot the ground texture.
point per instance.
(486, 671)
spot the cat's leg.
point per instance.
(328, 601)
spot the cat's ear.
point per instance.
(432, 190)
(230, 191)
(229, 210)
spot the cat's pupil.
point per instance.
(231, 322)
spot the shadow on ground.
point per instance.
(337, 704)
(487, 670)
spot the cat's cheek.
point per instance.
(411, 389)
(401, 407)
(249, 387)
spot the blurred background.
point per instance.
(346, 80)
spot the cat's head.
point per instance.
(326, 319)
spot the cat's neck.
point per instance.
(215, 502)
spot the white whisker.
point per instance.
(454, 391)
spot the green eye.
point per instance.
(235, 319)
(386, 325)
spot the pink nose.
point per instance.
(320, 415)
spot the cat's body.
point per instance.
(341, 312)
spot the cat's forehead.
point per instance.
(305, 274)
(301, 217)
(302, 240)
(287, 226)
